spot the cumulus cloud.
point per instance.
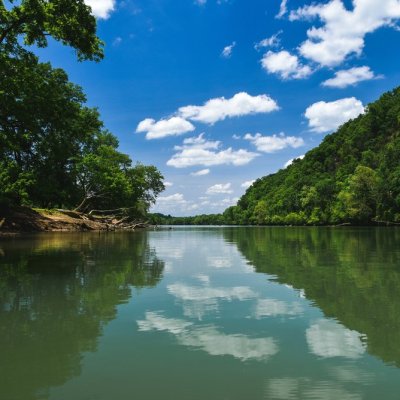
(247, 184)
(349, 77)
(168, 184)
(284, 64)
(173, 198)
(227, 50)
(202, 172)
(270, 144)
(290, 162)
(328, 116)
(220, 188)
(173, 126)
(220, 108)
(199, 151)
(343, 31)
(271, 41)
(327, 338)
(101, 8)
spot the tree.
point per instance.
(38, 140)
(68, 21)
(107, 180)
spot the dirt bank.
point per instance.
(24, 219)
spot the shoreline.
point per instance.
(23, 220)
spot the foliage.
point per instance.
(54, 151)
(69, 22)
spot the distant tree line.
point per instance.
(353, 176)
(54, 150)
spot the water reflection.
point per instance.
(230, 313)
(57, 292)
(209, 339)
(327, 338)
(305, 388)
(352, 275)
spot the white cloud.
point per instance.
(173, 198)
(270, 144)
(199, 151)
(218, 109)
(343, 31)
(282, 9)
(327, 338)
(284, 64)
(247, 184)
(101, 8)
(349, 77)
(165, 127)
(273, 308)
(227, 50)
(328, 116)
(202, 172)
(220, 188)
(168, 184)
(271, 41)
(290, 162)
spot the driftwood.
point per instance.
(109, 222)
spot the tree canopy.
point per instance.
(68, 21)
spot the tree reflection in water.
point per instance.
(352, 275)
(57, 292)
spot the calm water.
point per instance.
(201, 313)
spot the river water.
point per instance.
(201, 313)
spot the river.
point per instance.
(201, 313)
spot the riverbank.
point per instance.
(25, 219)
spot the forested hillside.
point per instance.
(353, 176)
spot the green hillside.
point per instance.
(353, 176)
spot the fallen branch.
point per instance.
(123, 209)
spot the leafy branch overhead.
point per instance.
(68, 21)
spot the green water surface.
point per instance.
(201, 313)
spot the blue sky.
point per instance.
(231, 90)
